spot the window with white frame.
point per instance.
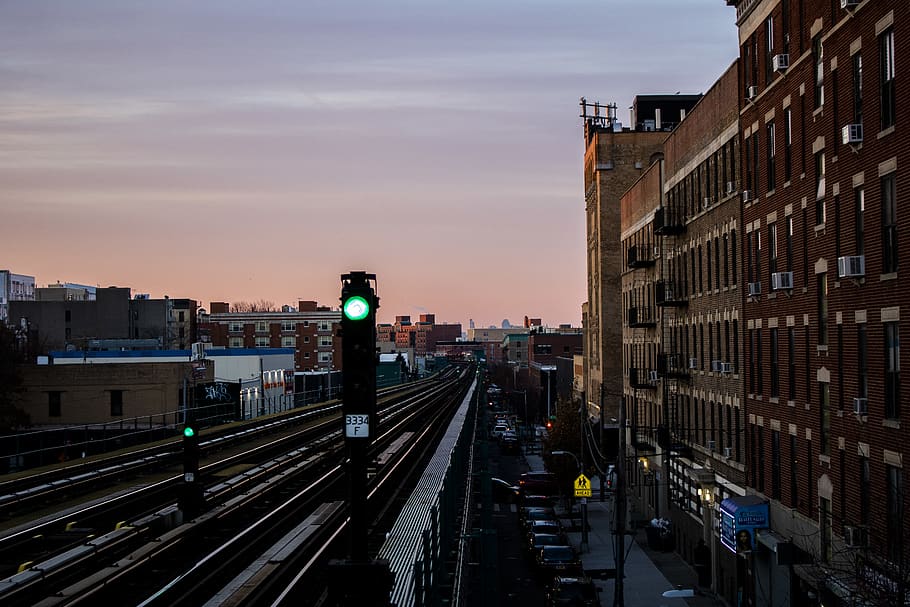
(235, 342)
(235, 327)
(288, 325)
(288, 342)
(262, 342)
(262, 326)
(325, 357)
(325, 341)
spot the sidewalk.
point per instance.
(648, 573)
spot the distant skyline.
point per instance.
(237, 151)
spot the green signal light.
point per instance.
(189, 432)
(356, 308)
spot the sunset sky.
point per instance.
(227, 150)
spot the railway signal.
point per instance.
(191, 499)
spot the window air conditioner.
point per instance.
(656, 251)
(727, 368)
(860, 406)
(693, 363)
(751, 92)
(781, 62)
(747, 195)
(851, 266)
(754, 289)
(730, 187)
(852, 133)
(855, 537)
(728, 451)
(849, 3)
(781, 280)
(706, 202)
(717, 365)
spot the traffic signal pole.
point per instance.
(359, 580)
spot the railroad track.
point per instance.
(260, 507)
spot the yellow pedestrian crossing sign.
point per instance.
(582, 486)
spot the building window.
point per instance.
(788, 144)
(235, 327)
(262, 342)
(325, 341)
(288, 325)
(770, 142)
(822, 302)
(794, 472)
(261, 326)
(808, 369)
(858, 88)
(726, 260)
(235, 342)
(791, 361)
(54, 399)
(755, 155)
(760, 371)
(886, 55)
(824, 412)
(840, 366)
(818, 56)
(894, 507)
(116, 403)
(820, 188)
(761, 460)
(325, 357)
(708, 250)
(769, 49)
(889, 224)
(892, 370)
(325, 325)
(859, 196)
(735, 345)
(772, 247)
(789, 230)
(865, 488)
(752, 361)
(733, 248)
(288, 342)
(862, 369)
(306, 339)
(775, 365)
(306, 355)
(775, 464)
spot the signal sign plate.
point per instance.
(357, 426)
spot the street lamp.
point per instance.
(584, 502)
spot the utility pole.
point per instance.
(619, 505)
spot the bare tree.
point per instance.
(261, 305)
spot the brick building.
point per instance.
(821, 123)
(311, 329)
(682, 304)
(615, 156)
(421, 336)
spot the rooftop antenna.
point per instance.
(604, 115)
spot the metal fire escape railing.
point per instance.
(669, 223)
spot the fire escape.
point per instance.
(670, 297)
(641, 315)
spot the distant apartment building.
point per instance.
(824, 234)
(498, 335)
(14, 287)
(111, 321)
(544, 348)
(682, 302)
(421, 336)
(311, 329)
(65, 291)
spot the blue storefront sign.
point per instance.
(740, 518)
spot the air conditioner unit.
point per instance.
(706, 202)
(693, 363)
(781, 280)
(851, 266)
(849, 3)
(730, 187)
(656, 250)
(780, 62)
(712, 445)
(747, 195)
(728, 451)
(751, 92)
(860, 406)
(717, 365)
(727, 368)
(855, 537)
(652, 375)
(754, 289)
(852, 133)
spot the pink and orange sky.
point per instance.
(224, 150)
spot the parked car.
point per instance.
(499, 430)
(535, 513)
(536, 541)
(539, 483)
(558, 560)
(509, 444)
(529, 500)
(551, 527)
(572, 591)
